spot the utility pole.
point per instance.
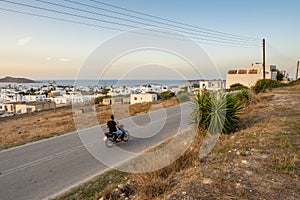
(297, 72)
(264, 59)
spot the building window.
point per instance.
(242, 71)
(232, 71)
(135, 98)
(252, 71)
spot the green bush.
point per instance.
(237, 86)
(295, 82)
(243, 96)
(265, 84)
(216, 111)
(183, 96)
(166, 95)
(196, 85)
(99, 100)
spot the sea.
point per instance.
(108, 83)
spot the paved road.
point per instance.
(42, 169)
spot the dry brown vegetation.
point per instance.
(259, 161)
(21, 129)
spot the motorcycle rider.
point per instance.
(114, 128)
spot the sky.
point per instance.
(47, 49)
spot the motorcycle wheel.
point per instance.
(126, 136)
(109, 143)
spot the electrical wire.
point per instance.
(150, 25)
(172, 21)
(110, 22)
(216, 35)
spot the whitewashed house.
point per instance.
(212, 84)
(142, 97)
(60, 99)
(152, 88)
(248, 76)
(31, 98)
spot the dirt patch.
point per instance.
(21, 129)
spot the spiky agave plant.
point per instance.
(216, 112)
(201, 110)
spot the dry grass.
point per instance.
(259, 161)
(30, 127)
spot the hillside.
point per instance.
(9, 79)
(260, 160)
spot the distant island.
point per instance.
(9, 79)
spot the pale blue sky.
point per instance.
(42, 48)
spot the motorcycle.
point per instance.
(110, 138)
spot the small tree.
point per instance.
(98, 100)
(196, 85)
(280, 76)
(166, 95)
(105, 91)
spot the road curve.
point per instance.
(43, 169)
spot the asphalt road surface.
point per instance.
(46, 168)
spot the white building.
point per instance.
(31, 98)
(212, 84)
(23, 107)
(60, 99)
(123, 90)
(142, 97)
(249, 75)
(153, 88)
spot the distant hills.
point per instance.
(9, 79)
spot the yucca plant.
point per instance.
(215, 112)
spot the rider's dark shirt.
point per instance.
(112, 126)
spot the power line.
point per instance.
(60, 19)
(151, 25)
(215, 35)
(89, 24)
(176, 22)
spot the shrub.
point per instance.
(237, 86)
(183, 96)
(265, 84)
(295, 82)
(280, 76)
(98, 100)
(166, 95)
(196, 85)
(243, 96)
